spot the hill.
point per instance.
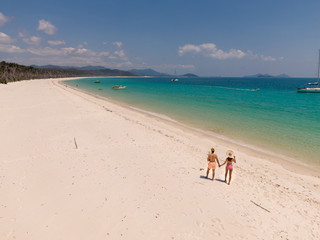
(10, 72)
(260, 75)
(190, 75)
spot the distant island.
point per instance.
(260, 75)
(190, 75)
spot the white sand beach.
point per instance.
(74, 166)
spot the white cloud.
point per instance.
(22, 34)
(56, 52)
(83, 51)
(210, 50)
(46, 27)
(165, 67)
(67, 51)
(233, 53)
(103, 54)
(10, 48)
(119, 44)
(57, 42)
(46, 51)
(252, 55)
(268, 58)
(34, 40)
(70, 60)
(3, 19)
(70, 51)
(189, 48)
(120, 53)
(186, 66)
(6, 46)
(4, 38)
(87, 52)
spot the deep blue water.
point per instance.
(276, 118)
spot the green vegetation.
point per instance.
(11, 72)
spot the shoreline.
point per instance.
(288, 163)
(76, 166)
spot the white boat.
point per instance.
(118, 87)
(175, 79)
(311, 87)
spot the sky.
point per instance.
(227, 38)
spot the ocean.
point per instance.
(275, 118)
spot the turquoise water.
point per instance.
(276, 118)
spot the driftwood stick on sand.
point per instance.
(75, 142)
(259, 206)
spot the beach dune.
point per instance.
(76, 166)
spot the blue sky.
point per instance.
(205, 37)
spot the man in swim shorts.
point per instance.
(212, 158)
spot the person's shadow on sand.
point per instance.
(216, 179)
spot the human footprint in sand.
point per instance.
(212, 158)
(231, 158)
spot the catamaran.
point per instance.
(311, 87)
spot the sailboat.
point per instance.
(175, 79)
(311, 87)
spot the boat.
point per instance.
(118, 87)
(256, 89)
(311, 87)
(96, 81)
(175, 79)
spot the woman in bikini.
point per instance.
(229, 167)
(212, 157)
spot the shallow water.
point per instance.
(276, 118)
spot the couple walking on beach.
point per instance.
(230, 159)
